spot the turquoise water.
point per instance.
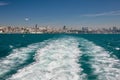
(59, 56)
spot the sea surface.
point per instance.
(59, 56)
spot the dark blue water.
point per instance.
(59, 56)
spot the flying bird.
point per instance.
(27, 19)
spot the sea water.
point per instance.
(59, 56)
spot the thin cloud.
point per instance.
(111, 13)
(3, 3)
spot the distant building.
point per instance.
(85, 29)
(1, 31)
(114, 28)
(64, 28)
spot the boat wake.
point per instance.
(16, 58)
(105, 66)
(62, 58)
(58, 60)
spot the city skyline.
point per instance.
(95, 13)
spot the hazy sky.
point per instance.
(91, 13)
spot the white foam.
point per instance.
(16, 57)
(117, 48)
(105, 66)
(55, 61)
(11, 46)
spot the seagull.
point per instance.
(27, 19)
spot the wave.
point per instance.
(58, 60)
(16, 58)
(105, 66)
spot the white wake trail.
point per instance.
(105, 66)
(58, 60)
(16, 58)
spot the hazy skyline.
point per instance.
(90, 13)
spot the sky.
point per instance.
(86, 13)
